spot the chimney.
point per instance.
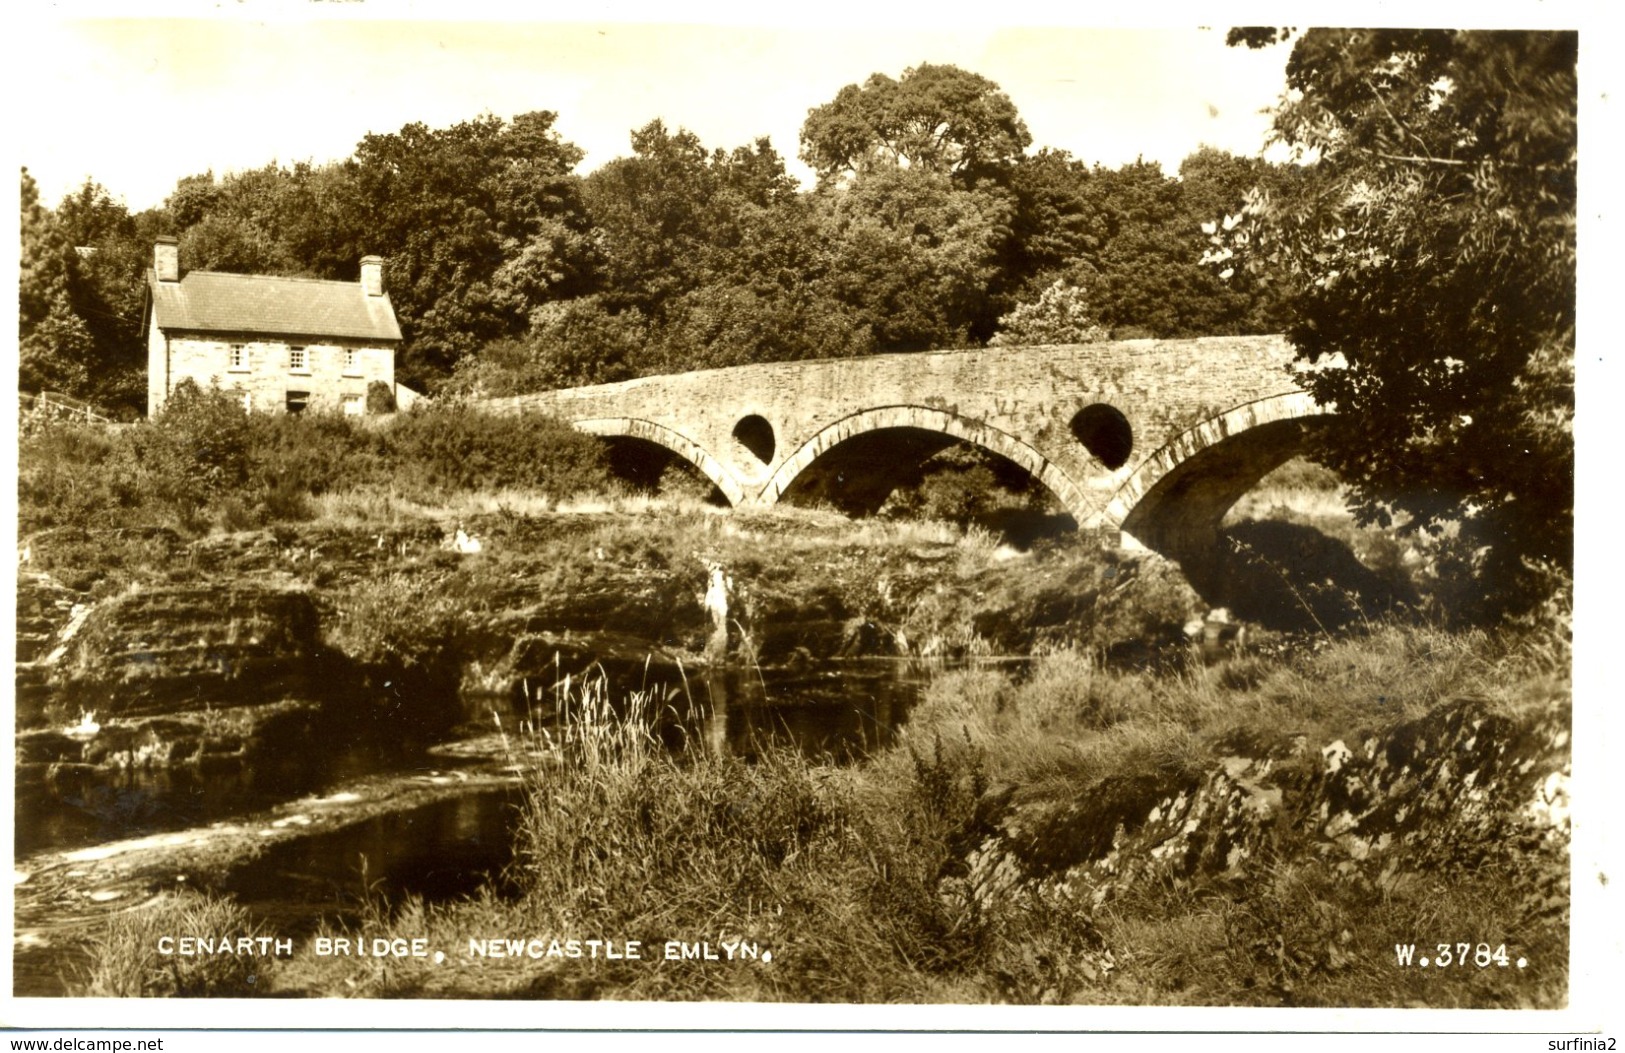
(166, 258)
(372, 275)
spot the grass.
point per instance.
(1305, 935)
(953, 866)
(877, 883)
(926, 874)
(125, 961)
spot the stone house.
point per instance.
(286, 344)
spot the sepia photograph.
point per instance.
(1049, 518)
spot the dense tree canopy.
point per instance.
(509, 271)
(1429, 249)
(79, 299)
(55, 343)
(938, 118)
(450, 209)
(1423, 243)
(916, 256)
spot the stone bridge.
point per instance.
(1153, 439)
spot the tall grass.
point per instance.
(125, 961)
(878, 865)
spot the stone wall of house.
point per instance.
(157, 368)
(333, 378)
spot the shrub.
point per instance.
(448, 447)
(211, 434)
(1062, 314)
(207, 461)
(681, 481)
(312, 453)
(965, 484)
(63, 478)
(569, 343)
(380, 399)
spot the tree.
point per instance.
(55, 346)
(1061, 315)
(1058, 221)
(650, 212)
(451, 208)
(107, 288)
(915, 256)
(1430, 251)
(1150, 281)
(1215, 183)
(938, 118)
(479, 225)
(569, 343)
(718, 251)
(737, 324)
(1133, 237)
(302, 221)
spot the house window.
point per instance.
(248, 401)
(297, 401)
(352, 362)
(297, 362)
(237, 358)
(353, 406)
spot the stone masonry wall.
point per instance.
(267, 377)
(1028, 395)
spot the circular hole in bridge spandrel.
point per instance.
(755, 434)
(1105, 433)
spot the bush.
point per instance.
(211, 435)
(681, 481)
(207, 461)
(63, 477)
(380, 398)
(448, 447)
(570, 343)
(964, 484)
(313, 453)
(1062, 314)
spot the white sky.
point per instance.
(137, 103)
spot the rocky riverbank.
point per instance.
(1122, 822)
(216, 651)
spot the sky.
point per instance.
(137, 103)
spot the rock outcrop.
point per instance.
(1465, 785)
(184, 647)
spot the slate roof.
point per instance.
(207, 301)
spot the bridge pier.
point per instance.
(1182, 513)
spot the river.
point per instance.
(393, 817)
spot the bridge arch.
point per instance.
(1175, 500)
(925, 419)
(677, 443)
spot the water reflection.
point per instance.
(838, 713)
(834, 713)
(76, 806)
(440, 851)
